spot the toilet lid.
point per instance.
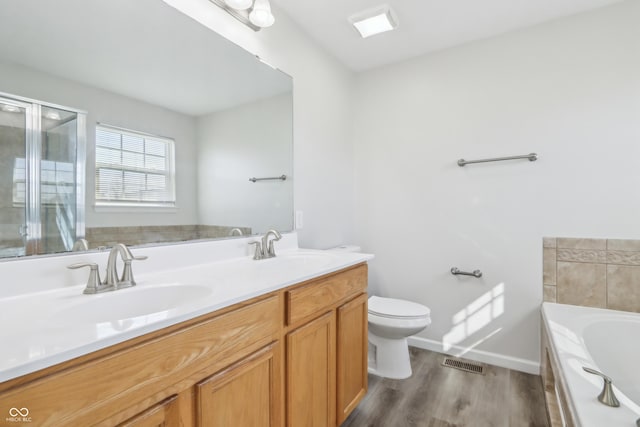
(390, 307)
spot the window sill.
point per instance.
(133, 208)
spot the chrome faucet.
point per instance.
(111, 281)
(606, 397)
(235, 232)
(267, 245)
(264, 247)
(126, 280)
(80, 245)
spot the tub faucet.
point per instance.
(235, 232)
(606, 397)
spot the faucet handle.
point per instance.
(607, 396)
(127, 280)
(94, 285)
(258, 254)
(128, 255)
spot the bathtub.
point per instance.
(606, 340)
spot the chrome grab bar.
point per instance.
(531, 156)
(475, 273)
(281, 178)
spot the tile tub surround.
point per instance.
(603, 273)
(140, 235)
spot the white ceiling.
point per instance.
(425, 25)
(143, 49)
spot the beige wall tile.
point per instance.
(581, 284)
(573, 243)
(549, 294)
(623, 287)
(548, 242)
(623, 245)
(549, 266)
(623, 257)
(582, 255)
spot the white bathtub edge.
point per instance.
(579, 389)
(515, 363)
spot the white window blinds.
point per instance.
(133, 168)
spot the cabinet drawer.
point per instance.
(154, 369)
(324, 293)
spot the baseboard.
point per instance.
(496, 359)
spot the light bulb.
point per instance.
(239, 4)
(261, 14)
(10, 108)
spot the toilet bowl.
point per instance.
(391, 321)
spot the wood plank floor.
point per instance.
(438, 396)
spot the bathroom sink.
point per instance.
(130, 303)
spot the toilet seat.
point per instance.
(392, 308)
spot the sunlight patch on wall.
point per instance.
(475, 316)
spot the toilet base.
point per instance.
(389, 358)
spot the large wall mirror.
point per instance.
(176, 121)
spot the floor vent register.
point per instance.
(476, 368)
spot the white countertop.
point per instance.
(45, 327)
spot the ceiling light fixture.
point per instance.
(374, 21)
(52, 115)
(239, 4)
(255, 14)
(261, 15)
(10, 108)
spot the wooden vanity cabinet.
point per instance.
(351, 357)
(311, 373)
(327, 345)
(294, 357)
(164, 414)
(124, 381)
(245, 394)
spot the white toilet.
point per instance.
(391, 321)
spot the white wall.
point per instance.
(251, 140)
(110, 108)
(323, 148)
(568, 90)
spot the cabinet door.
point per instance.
(245, 394)
(311, 374)
(351, 355)
(164, 414)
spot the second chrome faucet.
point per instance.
(264, 247)
(111, 281)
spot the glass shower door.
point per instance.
(42, 149)
(58, 190)
(15, 131)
